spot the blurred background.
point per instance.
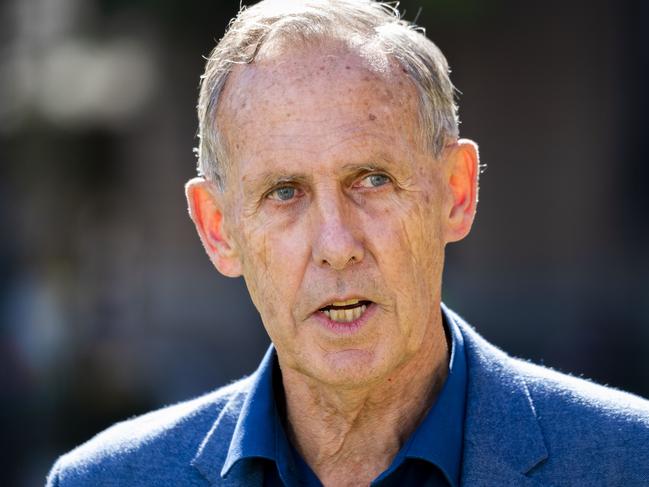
(108, 305)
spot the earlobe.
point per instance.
(463, 176)
(206, 211)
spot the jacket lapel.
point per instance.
(502, 438)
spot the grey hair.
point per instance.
(375, 23)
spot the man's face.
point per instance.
(332, 203)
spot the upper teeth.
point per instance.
(345, 303)
(345, 315)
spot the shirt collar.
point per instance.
(255, 433)
(437, 440)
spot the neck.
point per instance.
(353, 434)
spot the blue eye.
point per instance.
(378, 179)
(283, 194)
(374, 180)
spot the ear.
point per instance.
(463, 169)
(206, 211)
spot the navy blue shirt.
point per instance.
(430, 457)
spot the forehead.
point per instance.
(315, 100)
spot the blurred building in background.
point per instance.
(108, 305)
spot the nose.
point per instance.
(335, 242)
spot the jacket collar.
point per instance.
(503, 441)
(212, 453)
(502, 438)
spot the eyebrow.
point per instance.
(270, 179)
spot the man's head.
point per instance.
(333, 181)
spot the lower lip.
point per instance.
(345, 328)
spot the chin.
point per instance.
(351, 368)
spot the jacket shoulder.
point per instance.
(562, 396)
(152, 449)
(558, 399)
(545, 427)
(589, 426)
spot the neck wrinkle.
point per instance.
(331, 428)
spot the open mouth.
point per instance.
(345, 311)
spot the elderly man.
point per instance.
(333, 178)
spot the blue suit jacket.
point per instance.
(525, 426)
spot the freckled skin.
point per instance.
(384, 244)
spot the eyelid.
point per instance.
(375, 172)
(282, 185)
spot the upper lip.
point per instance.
(330, 301)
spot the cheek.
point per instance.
(406, 230)
(405, 239)
(272, 262)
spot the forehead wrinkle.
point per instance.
(353, 126)
(298, 147)
(347, 127)
(295, 144)
(356, 129)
